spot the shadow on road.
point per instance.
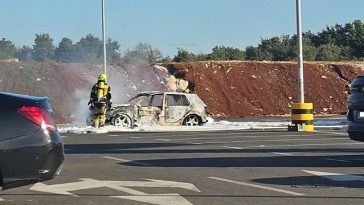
(281, 161)
(313, 182)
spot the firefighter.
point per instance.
(100, 101)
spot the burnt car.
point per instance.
(355, 114)
(31, 149)
(163, 108)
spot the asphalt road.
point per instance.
(225, 167)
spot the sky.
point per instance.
(194, 25)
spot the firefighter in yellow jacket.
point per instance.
(100, 101)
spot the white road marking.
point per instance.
(163, 140)
(232, 147)
(162, 199)
(279, 140)
(114, 135)
(195, 143)
(281, 153)
(227, 137)
(337, 160)
(336, 176)
(300, 145)
(1, 199)
(125, 160)
(136, 137)
(332, 133)
(257, 186)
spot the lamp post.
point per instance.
(301, 98)
(103, 33)
(302, 113)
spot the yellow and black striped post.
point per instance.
(302, 117)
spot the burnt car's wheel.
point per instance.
(192, 120)
(121, 120)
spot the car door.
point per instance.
(176, 106)
(150, 108)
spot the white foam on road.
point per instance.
(211, 125)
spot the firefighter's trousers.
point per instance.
(98, 118)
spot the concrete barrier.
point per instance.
(302, 117)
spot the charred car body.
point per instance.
(355, 114)
(31, 149)
(164, 108)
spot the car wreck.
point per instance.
(163, 108)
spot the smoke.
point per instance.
(125, 82)
(128, 81)
(80, 111)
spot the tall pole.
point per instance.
(103, 33)
(302, 113)
(299, 53)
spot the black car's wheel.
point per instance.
(121, 120)
(192, 120)
(357, 136)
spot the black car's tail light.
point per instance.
(38, 116)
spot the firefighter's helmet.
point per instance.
(102, 77)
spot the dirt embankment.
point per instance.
(230, 89)
(241, 89)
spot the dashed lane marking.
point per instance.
(125, 160)
(304, 145)
(336, 176)
(281, 153)
(232, 147)
(279, 140)
(195, 143)
(163, 140)
(136, 137)
(227, 137)
(257, 186)
(332, 133)
(336, 160)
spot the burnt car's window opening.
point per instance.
(148, 100)
(145, 101)
(177, 100)
(157, 101)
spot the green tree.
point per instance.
(113, 51)
(329, 52)
(353, 37)
(274, 49)
(89, 49)
(24, 54)
(143, 52)
(252, 53)
(226, 53)
(184, 56)
(7, 49)
(309, 50)
(65, 51)
(43, 48)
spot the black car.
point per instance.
(31, 149)
(355, 114)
